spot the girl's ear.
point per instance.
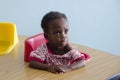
(46, 36)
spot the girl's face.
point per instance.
(58, 33)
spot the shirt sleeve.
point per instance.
(76, 56)
(39, 54)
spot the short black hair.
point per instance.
(49, 17)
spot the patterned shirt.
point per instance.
(43, 55)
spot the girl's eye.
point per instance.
(66, 31)
(57, 33)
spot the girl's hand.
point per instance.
(55, 69)
(64, 68)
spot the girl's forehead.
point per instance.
(58, 23)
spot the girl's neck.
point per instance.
(56, 50)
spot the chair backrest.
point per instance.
(8, 37)
(32, 43)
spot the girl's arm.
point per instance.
(42, 66)
(66, 68)
(78, 64)
(37, 65)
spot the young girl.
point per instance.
(57, 55)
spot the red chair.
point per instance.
(32, 43)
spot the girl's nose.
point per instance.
(64, 35)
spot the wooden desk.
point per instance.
(101, 66)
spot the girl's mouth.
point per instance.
(62, 44)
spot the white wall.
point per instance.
(93, 23)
